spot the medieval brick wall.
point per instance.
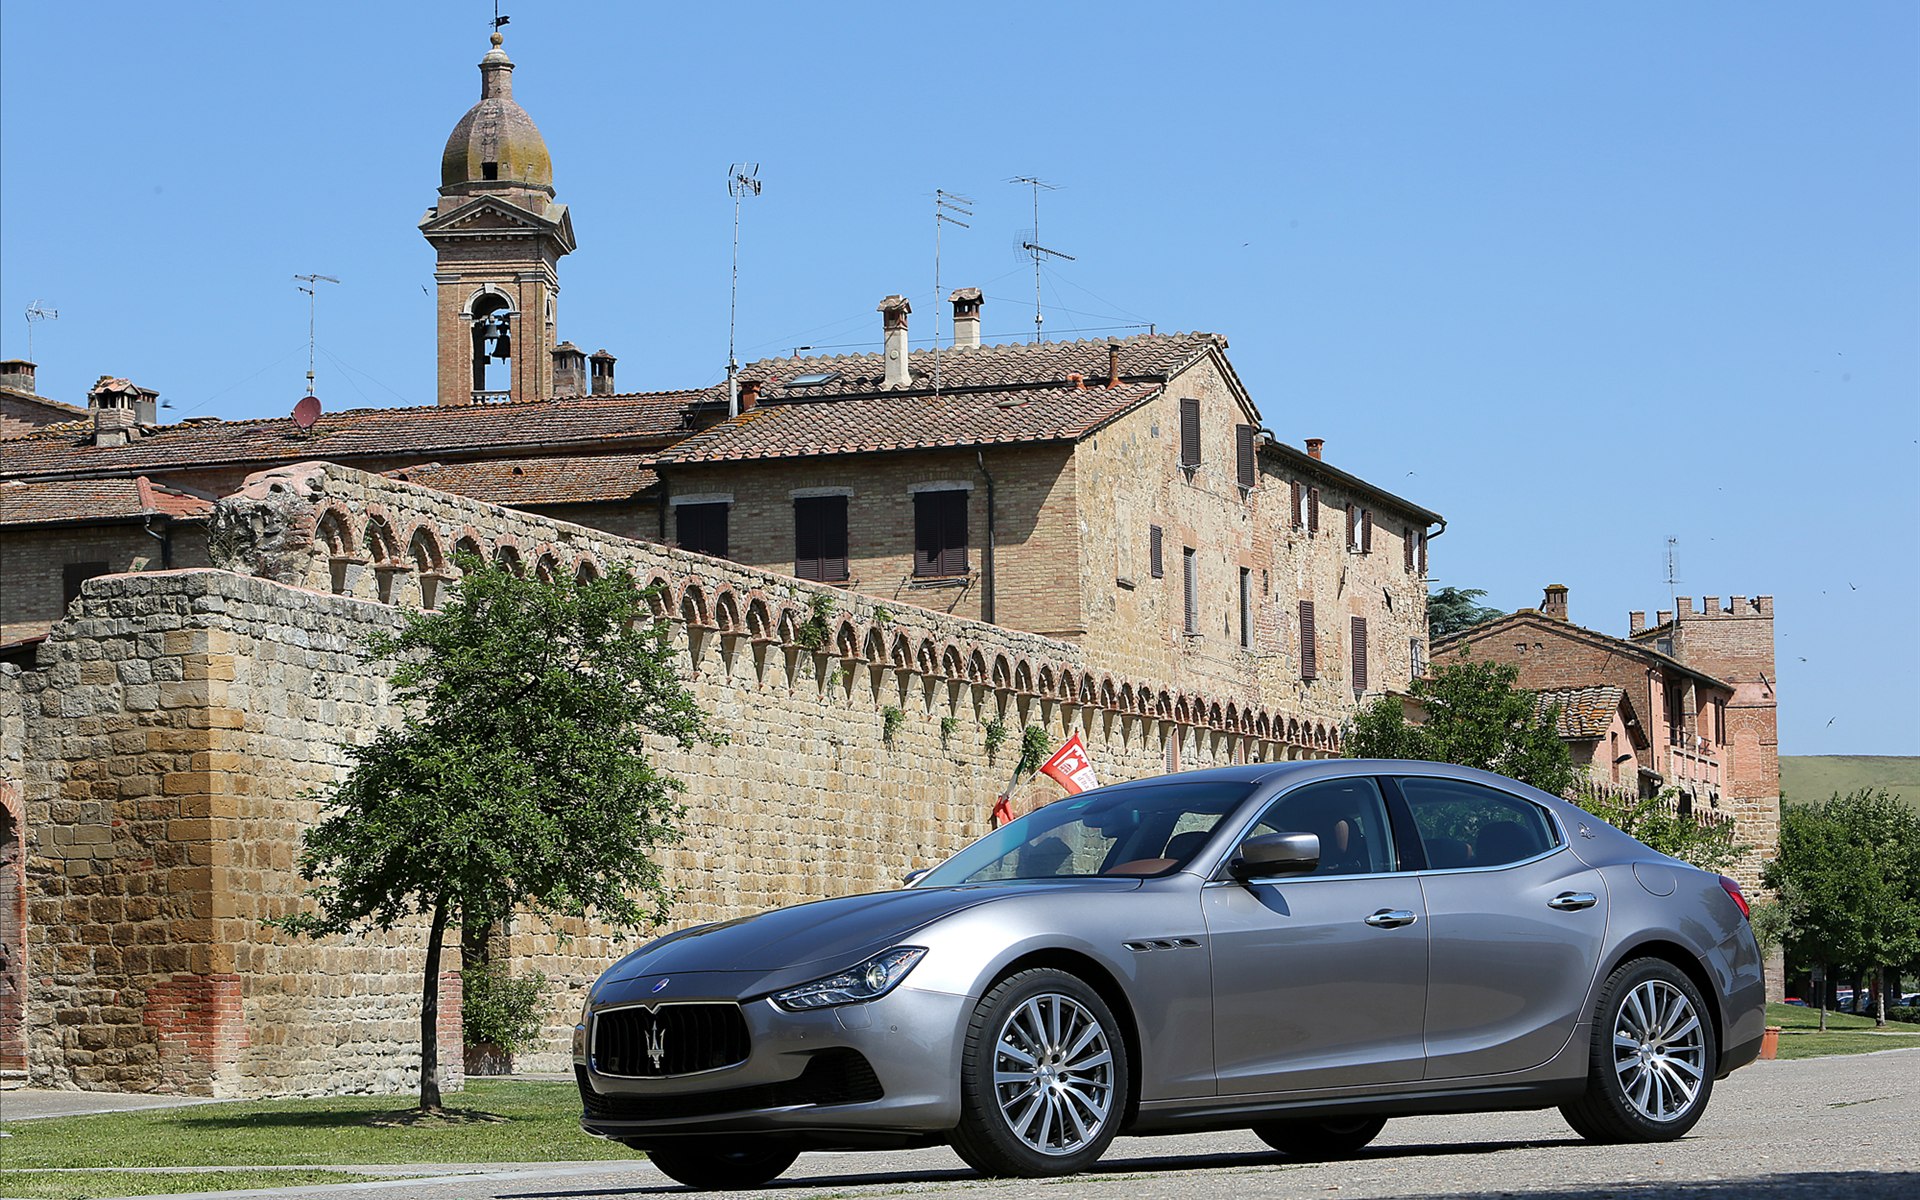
(177, 723)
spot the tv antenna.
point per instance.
(1035, 250)
(37, 312)
(948, 208)
(309, 284)
(743, 180)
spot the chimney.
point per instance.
(1313, 446)
(894, 310)
(16, 374)
(1636, 621)
(966, 318)
(1078, 381)
(1113, 364)
(1554, 603)
(569, 370)
(602, 363)
(110, 393)
(749, 394)
(114, 426)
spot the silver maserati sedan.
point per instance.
(1300, 949)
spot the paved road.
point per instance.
(1830, 1127)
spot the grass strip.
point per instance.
(1819, 1045)
(495, 1121)
(87, 1185)
(1794, 1017)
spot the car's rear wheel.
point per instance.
(749, 1163)
(1316, 1139)
(1651, 1066)
(1043, 1084)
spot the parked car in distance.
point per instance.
(1303, 949)
(1796, 1001)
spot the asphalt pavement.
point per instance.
(1829, 1127)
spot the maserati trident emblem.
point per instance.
(661, 986)
(656, 1043)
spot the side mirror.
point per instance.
(913, 877)
(1275, 854)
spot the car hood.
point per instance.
(824, 936)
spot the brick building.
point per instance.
(1696, 707)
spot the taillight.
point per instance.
(1739, 897)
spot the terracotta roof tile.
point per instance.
(23, 503)
(655, 418)
(576, 479)
(1585, 713)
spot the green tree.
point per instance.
(1885, 835)
(1655, 821)
(1451, 609)
(1476, 717)
(518, 778)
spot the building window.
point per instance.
(939, 534)
(1720, 722)
(1359, 655)
(1243, 454)
(1359, 529)
(1299, 504)
(820, 538)
(1309, 659)
(1406, 545)
(1156, 551)
(1189, 433)
(1313, 510)
(1416, 658)
(1366, 531)
(701, 528)
(75, 574)
(1246, 609)
(1190, 564)
(1423, 554)
(1613, 754)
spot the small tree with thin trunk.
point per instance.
(1475, 717)
(519, 777)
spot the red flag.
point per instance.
(1002, 810)
(1071, 767)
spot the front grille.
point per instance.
(832, 1077)
(674, 1039)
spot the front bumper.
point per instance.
(889, 1066)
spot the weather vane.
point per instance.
(498, 20)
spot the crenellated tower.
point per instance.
(499, 236)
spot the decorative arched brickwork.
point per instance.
(726, 610)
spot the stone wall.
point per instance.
(34, 562)
(13, 877)
(177, 723)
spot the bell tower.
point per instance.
(498, 235)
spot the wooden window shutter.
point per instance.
(1243, 454)
(1359, 654)
(806, 539)
(1299, 505)
(1423, 554)
(1191, 570)
(940, 534)
(1156, 551)
(1366, 531)
(820, 538)
(1313, 510)
(833, 539)
(702, 528)
(1309, 660)
(1189, 433)
(1353, 526)
(1406, 546)
(1246, 609)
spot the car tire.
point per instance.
(1652, 1060)
(751, 1163)
(1316, 1140)
(1043, 1078)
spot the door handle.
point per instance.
(1573, 901)
(1391, 918)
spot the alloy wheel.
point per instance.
(1053, 1074)
(1659, 1050)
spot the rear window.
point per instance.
(1466, 825)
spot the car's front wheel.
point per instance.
(749, 1163)
(1307, 1138)
(1651, 1066)
(1043, 1083)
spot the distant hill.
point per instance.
(1807, 778)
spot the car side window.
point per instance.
(1466, 825)
(1349, 817)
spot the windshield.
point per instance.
(1149, 829)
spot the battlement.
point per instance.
(1683, 609)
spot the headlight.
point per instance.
(870, 980)
(580, 1027)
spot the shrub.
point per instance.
(501, 1009)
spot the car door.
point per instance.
(1515, 926)
(1320, 980)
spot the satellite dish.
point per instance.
(306, 412)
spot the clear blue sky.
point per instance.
(1582, 278)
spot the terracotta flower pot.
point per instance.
(1770, 1042)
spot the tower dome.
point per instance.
(496, 142)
